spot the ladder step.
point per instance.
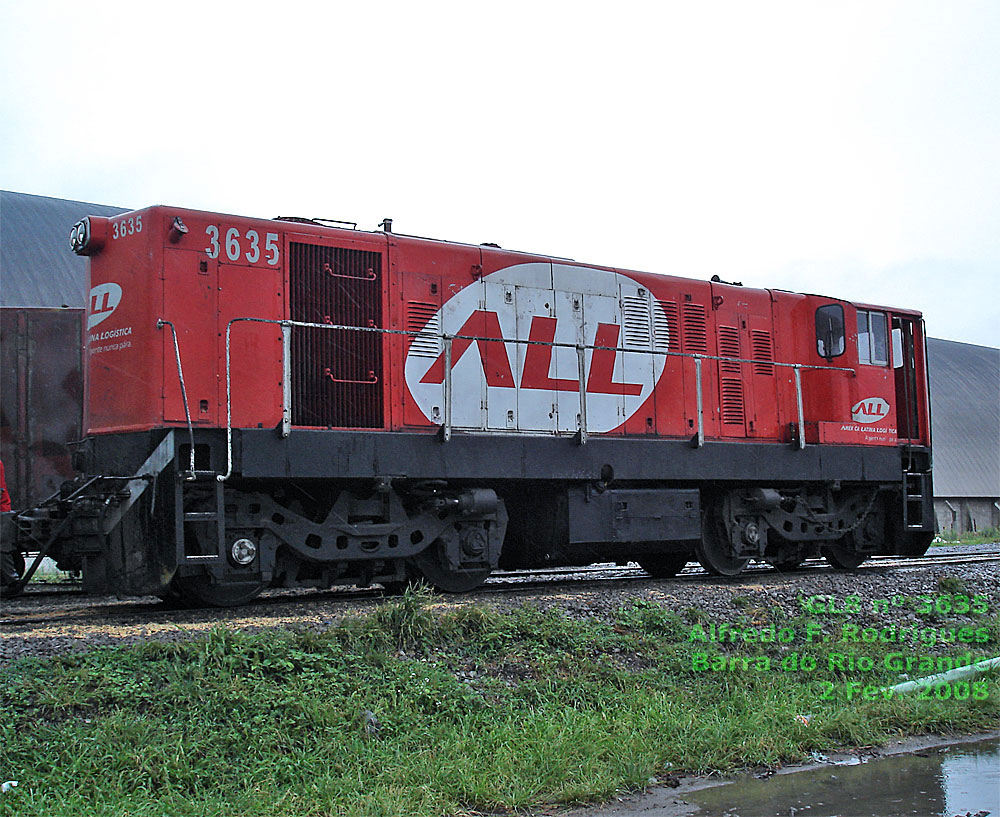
(193, 516)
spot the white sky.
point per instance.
(845, 148)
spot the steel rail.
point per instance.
(499, 582)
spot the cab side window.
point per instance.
(873, 338)
(830, 331)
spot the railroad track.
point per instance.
(605, 575)
(694, 571)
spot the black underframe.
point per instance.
(473, 457)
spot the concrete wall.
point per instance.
(963, 514)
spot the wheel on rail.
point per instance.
(714, 550)
(431, 566)
(664, 565)
(842, 554)
(200, 591)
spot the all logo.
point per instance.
(498, 383)
(870, 410)
(104, 299)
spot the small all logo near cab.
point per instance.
(869, 410)
(104, 299)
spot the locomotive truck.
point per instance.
(290, 402)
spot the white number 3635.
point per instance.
(235, 249)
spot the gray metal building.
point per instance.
(965, 423)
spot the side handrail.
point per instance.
(180, 375)
(447, 341)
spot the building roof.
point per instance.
(965, 417)
(37, 268)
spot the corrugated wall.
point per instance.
(965, 415)
(41, 399)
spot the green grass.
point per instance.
(49, 573)
(987, 536)
(476, 711)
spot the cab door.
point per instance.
(907, 362)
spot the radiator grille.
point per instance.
(763, 352)
(666, 327)
(730, 376)
(695, 332)
(729, 346)
(732, 401)
(336, 373)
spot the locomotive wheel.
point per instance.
(430, 565)
(717, 559)
(841, 555)
(714, 551)
(664, 565)
(199, 591)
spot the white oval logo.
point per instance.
(104, 299)
(535, 386)
(870, 410)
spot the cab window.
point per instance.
(830, 331)
(873, 338)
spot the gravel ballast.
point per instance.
(106, 621)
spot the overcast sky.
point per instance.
(851, 149)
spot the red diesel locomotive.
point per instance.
(288, 403)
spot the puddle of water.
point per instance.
(964, 779)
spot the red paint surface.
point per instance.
(137, 386)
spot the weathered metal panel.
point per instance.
(41, 398)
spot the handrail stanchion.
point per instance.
(187, 410)
(701, 411)
(798, 400)
(446, 431)
(286, 378)
(581, 359)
